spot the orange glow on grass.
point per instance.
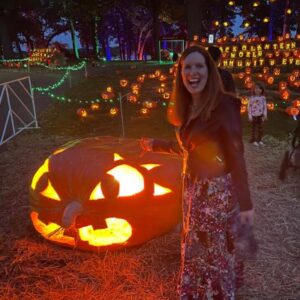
(118, 231)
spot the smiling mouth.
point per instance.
(194, 83)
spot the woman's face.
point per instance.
(194, 73)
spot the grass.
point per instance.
(279, 124)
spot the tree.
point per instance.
(205, 17)
(269, 18)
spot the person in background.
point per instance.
(216, 198)
(175, 57)
(227, 79)
(257, 114)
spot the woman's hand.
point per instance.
(146, 144)
(246, 217)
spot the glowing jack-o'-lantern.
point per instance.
(107, 95)
(166, 95)
(162, 77)
(99, 194)
(296, 83)
(292, 111)
(123, 82)
(82, 112)
(95, 106)
(144, 111)
(157, 73)
(149, 104)
(241, 75)
(291, 78)
(296, 73)
(296, 103)
(270, 106)
(243, 109)
(132, 98)
(276, 71)
(270, 80)
(114, 111)
(282, 85)
(141, 78)
(248, 70)
(244, 100)
(285, 94)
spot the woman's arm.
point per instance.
(160, 145)
(231, 133)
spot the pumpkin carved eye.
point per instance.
(97, 193)
(44, 168)
(131, 181)
(50, 192)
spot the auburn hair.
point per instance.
(181, 98)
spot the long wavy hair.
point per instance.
(181, 98)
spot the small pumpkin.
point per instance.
(285, 95)
(270, 106)
(292, 111)
(81, 112)
(270, 80)
(123, 82)
(100, 194)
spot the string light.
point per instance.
(266, 19)
(14, 60)
(54, 86)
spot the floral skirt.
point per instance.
(210, 224)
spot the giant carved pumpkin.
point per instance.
(100, 193)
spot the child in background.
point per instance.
(257, 114)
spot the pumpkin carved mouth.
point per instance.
(117, 231)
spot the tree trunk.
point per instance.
(194, 18)
(87, 48)
(102, 43)
(18, 47)
(141, 54)
(156, 27)
(5, 39)
(73, 36)
(95, 40)
(298, 22)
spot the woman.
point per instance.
(215, 178)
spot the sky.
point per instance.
(65, 38)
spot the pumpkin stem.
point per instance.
(72, 210)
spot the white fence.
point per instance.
(17, 108)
